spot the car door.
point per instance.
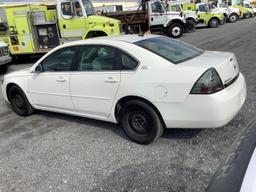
(157, 14)
(94, 85)
(50, 87)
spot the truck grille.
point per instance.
(4, 51)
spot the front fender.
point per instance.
(21, 82)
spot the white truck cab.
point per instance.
(232, 14)
(189, 15)
(159, 16)
(5, 58)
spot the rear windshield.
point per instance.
(172, 50)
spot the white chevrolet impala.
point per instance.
(144, 83)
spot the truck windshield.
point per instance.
(89, 9)
(172, 50)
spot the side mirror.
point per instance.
(38, 69)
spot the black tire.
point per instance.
(140, 122)
(19, 101)
(190, 25)
(223, 21)
(213, 23)
(175, 30)
(233, 18)
(4, 68)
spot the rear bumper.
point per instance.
(205, 111)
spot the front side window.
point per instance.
(156, 7)
(97, 58)
(172, 50)
(89, 9)
(66, 8)
(60, 60)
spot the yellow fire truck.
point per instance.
(37, 28)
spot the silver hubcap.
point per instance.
(176, 31)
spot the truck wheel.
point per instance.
(175, 30)
(223, 21)
(4, 68)
(233, 18)
(214, 23)
(140, 122)
(190, 25)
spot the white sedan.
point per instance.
(144, 83)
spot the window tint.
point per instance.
(156, 7)
(172, 50)
(97, 58)
(128, 63)
(60, 60)
(66, 8)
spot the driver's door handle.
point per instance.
(152, 19)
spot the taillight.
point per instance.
(208, 83)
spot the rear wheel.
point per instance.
(19, 101)
(214, 23)
(233, 18)
(175, 30)
(190, 25)
(140, 122)
(224, 20)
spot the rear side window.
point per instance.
(128, 63)
(172, 50)
(97, 58)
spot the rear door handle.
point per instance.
(61, 79)
(111, 80)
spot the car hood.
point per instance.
(225, 63)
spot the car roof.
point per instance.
(107, 39)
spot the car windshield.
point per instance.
(172, 50)
(89, 9)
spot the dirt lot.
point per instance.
(55, 152)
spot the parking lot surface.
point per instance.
(56, 152)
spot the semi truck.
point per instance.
(37, 28)
(151, 16)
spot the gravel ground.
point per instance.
(56, 152)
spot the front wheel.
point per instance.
(233, 18)
(19, 101)
(175, 30)
(214, 23)
(140, 122)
